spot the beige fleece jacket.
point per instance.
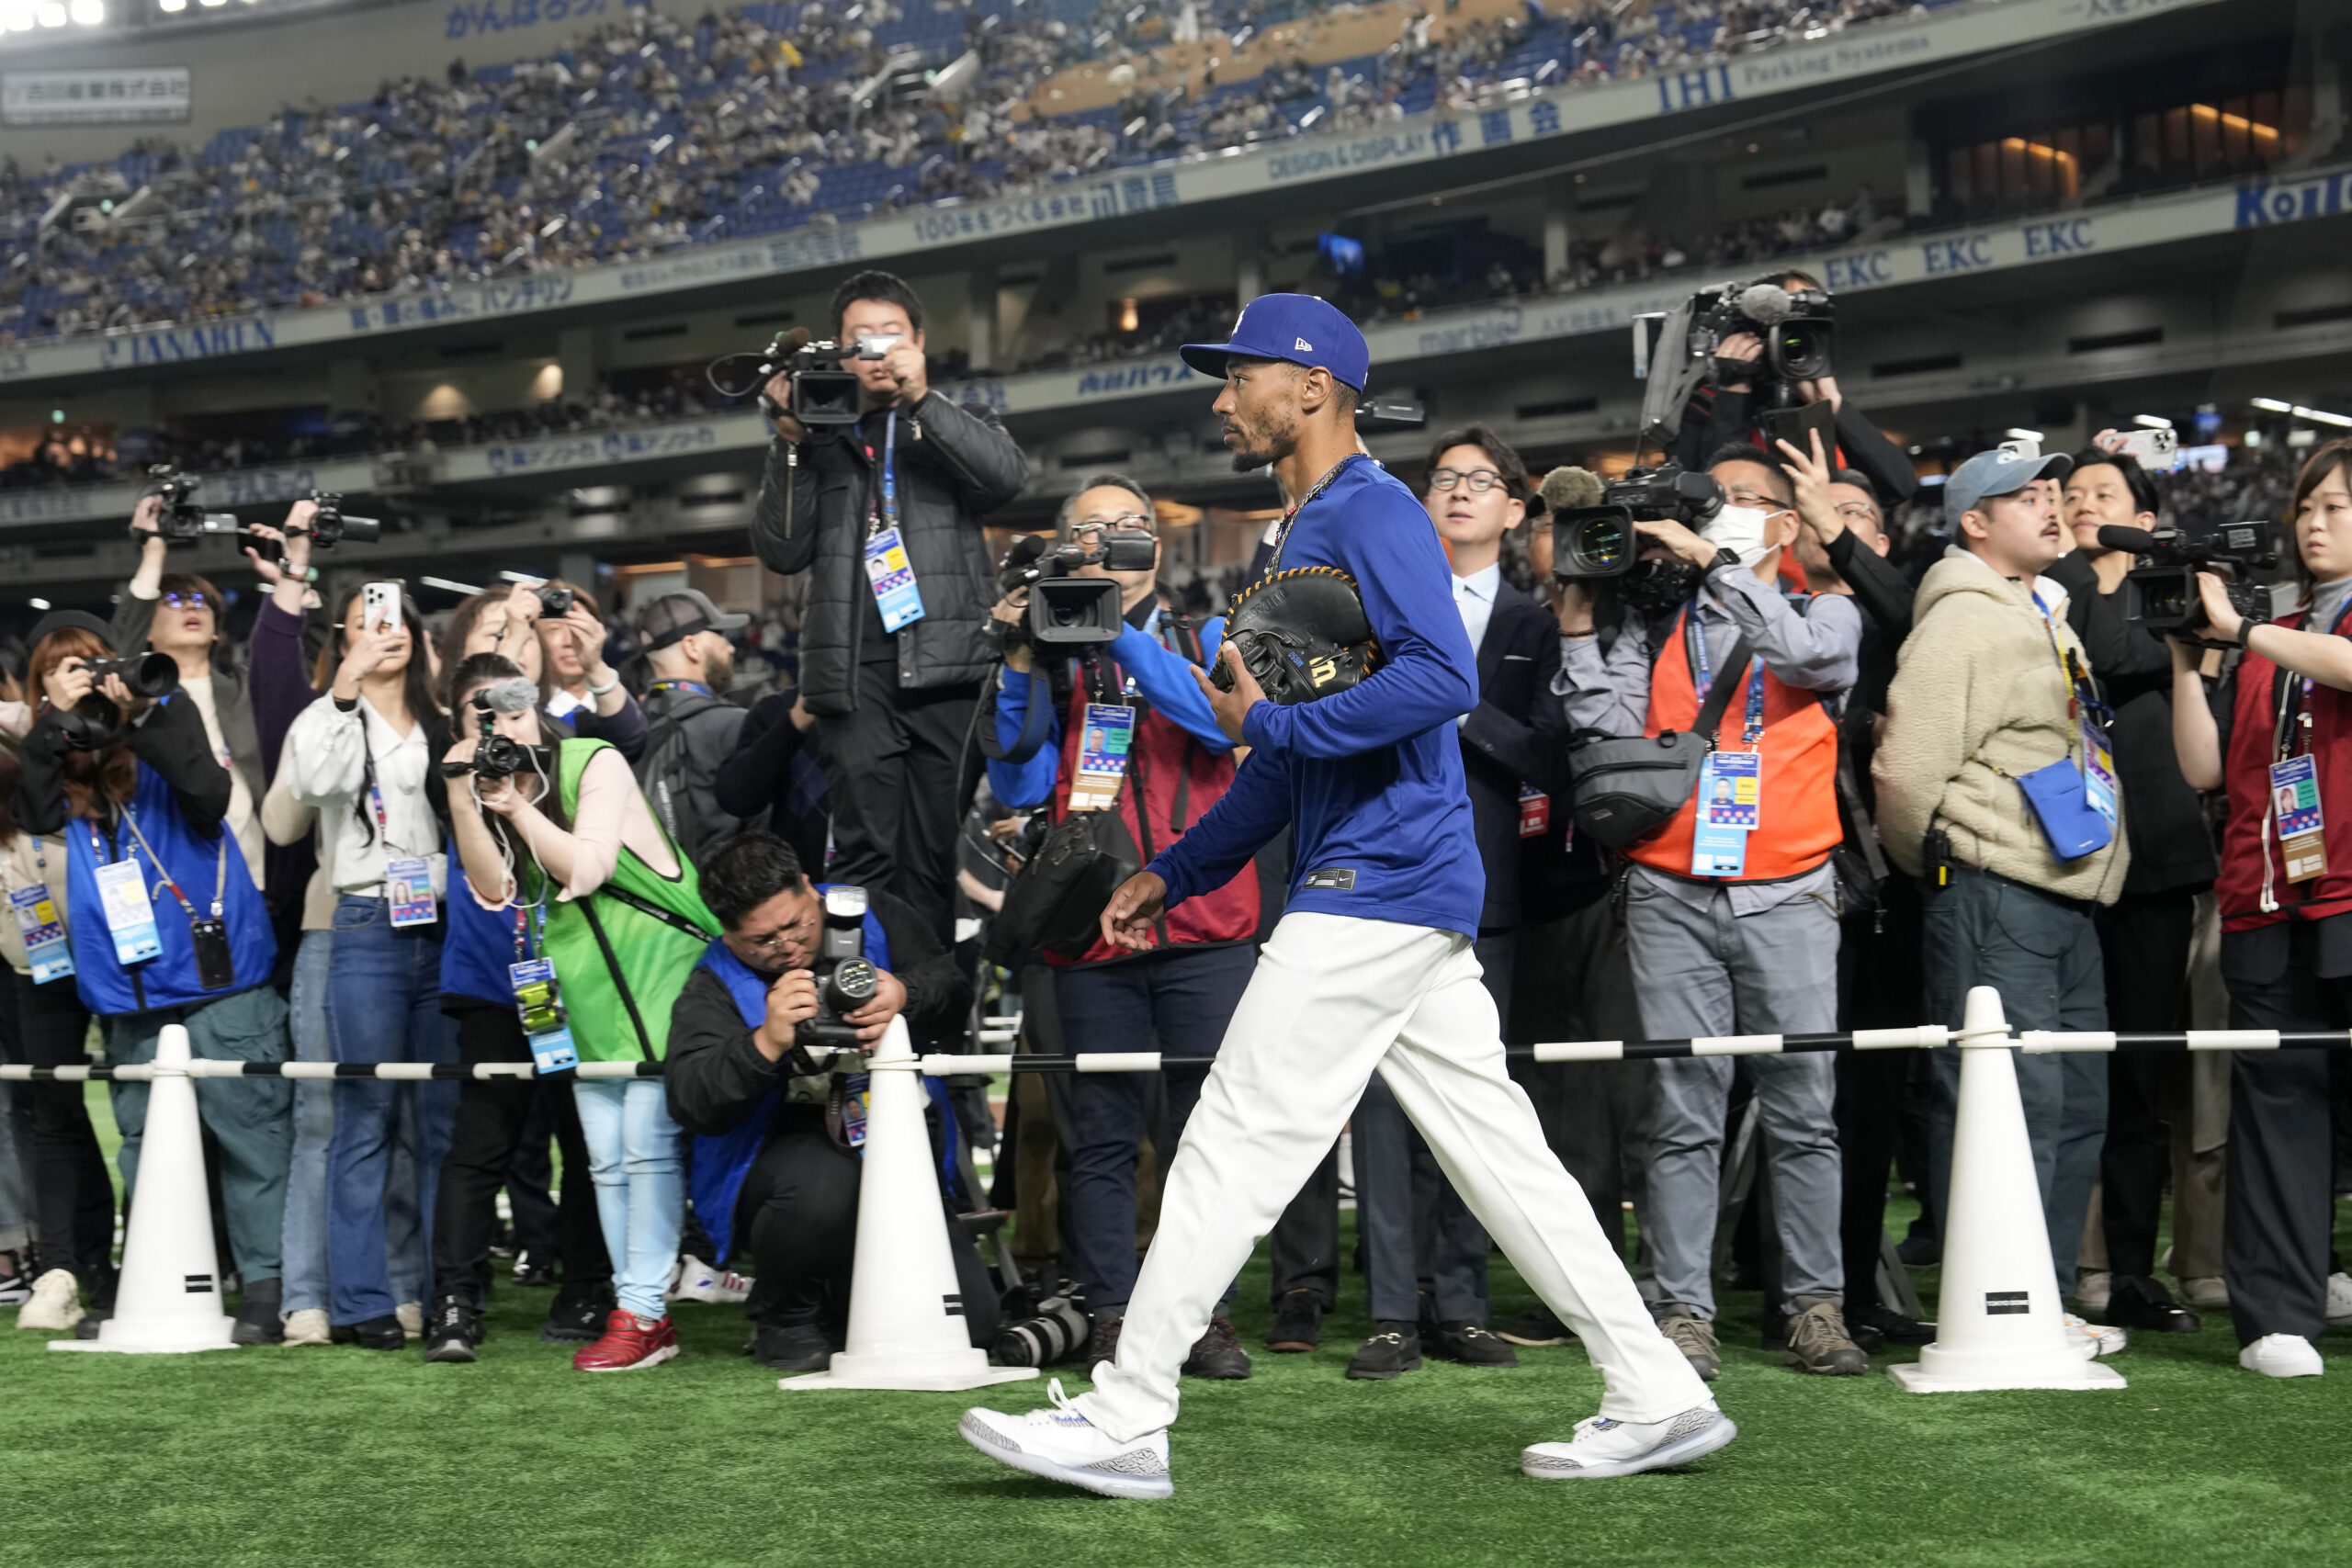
(1977, 688)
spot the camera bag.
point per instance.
(1625, 788)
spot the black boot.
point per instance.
(258, 1321)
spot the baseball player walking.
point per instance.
(1370, 968)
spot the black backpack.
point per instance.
(665, 771)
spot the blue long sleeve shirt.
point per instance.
(1370, 779)
(1162, 676)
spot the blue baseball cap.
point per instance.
(1294, 327)
(1997, 472)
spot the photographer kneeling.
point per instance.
(777, 1160)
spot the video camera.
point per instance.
(1594, 540)
(1676, 353)
(2164, 594)
(846, 978)
(1067, 609)
(183, 518)
(823, 392)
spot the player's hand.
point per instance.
(1127, 918)
(1231, 707)
(791, 1001)
(889, 1000)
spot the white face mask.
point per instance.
(1739, 529)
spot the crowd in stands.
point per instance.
(652, 134)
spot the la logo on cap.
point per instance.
(1301, 344)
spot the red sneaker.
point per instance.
(629, 1343)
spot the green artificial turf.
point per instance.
(346, 1457)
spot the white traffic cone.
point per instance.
(168, 1300)
(1997, 1323)
(907, 1328)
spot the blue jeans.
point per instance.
(1178, 1001)
(2041, 953)
(383, 1004)
(306, 1187)
(251, 1120)
(633, 1157)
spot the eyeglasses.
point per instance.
(1103, 524)
(1856, 511)
(775, 939)
(1480, 480)
(186, 602)
(1755, 499)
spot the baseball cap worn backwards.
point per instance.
(676, 617)
(1299, 328)
(1997, 472)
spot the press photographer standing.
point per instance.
(887, 512)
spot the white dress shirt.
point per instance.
(1475, 596)
(327, 751)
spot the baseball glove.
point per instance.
(1302, 634)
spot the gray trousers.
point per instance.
(1700, 969)
(2043, 955)
(1413, 1224)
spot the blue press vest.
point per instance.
(717, 1165)
(169, 978)
(480, 943)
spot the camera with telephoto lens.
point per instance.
(1059, 1328)
(149, 675)
(1795, 324)
(95, 722)
(846, 978)
(1065, 609)
(331, 524)
(183, 519)
(2165, 596)
(821, 392)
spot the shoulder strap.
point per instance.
(1727, 681)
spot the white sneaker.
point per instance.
(2281, 1356)
(2095, 1340)
(55, 1304)
(412, 1317)
(2339, 1299)
(1605, 1447)
(1062, 1445)
(698, 1281)
(309, 1325)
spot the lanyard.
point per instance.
(2288, 737)
(220, 888)
(530, 930)
(1752, 730)
(2081, 693)
(383, 827)
(889, 516)
(1282, 534)
(697, 686)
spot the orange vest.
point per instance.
(1798, 826)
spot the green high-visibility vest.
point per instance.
(623, 953)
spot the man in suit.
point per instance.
(1425, 1257)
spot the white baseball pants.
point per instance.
(1333, 998)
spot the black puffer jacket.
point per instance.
(956, 466)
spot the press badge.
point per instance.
(130, 915)
(1534, 812)
(44, 934)
(408, 885)
(893, 577)
(1731, 791)
(856, 1098)
(1103, 744)
(2295, 809)
(538, 1002)
(2098, 771)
